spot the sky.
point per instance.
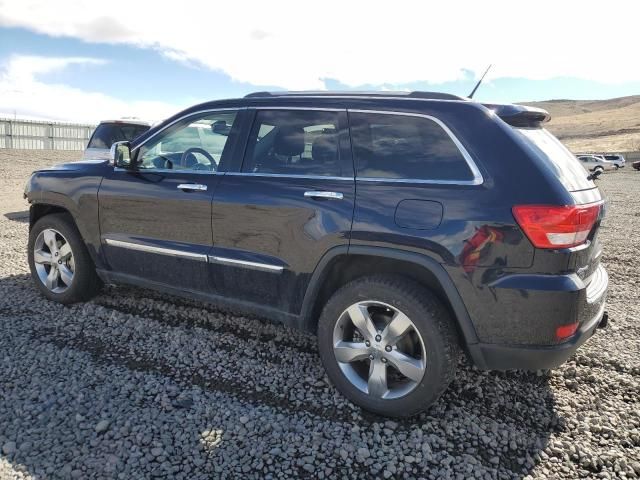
(83, 61)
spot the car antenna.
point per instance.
(479, 81)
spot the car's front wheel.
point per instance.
(388, 345)
(59, 261)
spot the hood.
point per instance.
(77, 165)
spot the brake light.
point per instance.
(549, 226)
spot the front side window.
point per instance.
(198, 144)
(295, 142)
(405, 147)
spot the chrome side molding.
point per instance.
(265, 267)
(200, 257)
(171, 252)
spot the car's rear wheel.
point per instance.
(59, 261)
(388, 345)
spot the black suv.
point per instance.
(402, 229)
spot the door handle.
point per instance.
(192, 186)
(328, 195)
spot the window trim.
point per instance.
(287, 175)
(477, 176)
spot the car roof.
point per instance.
(516, 115)
(127, 121)
(336, 93)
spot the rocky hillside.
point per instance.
(595, 125)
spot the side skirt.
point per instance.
(239, 306)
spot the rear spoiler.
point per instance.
(520, 115)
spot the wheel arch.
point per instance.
(343, 264)
(39, 210)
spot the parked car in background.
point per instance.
(617, 159)
(110, 131)
(636, 165)
(388, 224)
(594, 163)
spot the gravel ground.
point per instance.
(135, 384)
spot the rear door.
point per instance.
(155, 218)
(289, 202)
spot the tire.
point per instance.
(615, 166)
(431, 342)
(599, 169)
(76, 280)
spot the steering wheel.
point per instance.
(202, 151)
(162, 162)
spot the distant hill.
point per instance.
(595, 125)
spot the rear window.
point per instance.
(405, 147)
(557, 157)
(106, 134)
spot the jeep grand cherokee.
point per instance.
(402, 229)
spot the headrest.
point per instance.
(289, 141)
(325, 148)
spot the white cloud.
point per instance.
(21, 91)
(297, 45)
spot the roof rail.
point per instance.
(329, 93)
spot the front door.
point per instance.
(290, 202)
(155, 218)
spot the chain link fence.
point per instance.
(35, 135)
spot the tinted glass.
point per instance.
(107, 133)
(400, 146)
(295, 142)
(560, 160)
(196, 145)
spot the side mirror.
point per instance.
(121, 154)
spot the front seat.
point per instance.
(289, 143)
(324, 152)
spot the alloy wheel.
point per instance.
(379, 349)
(53, 260)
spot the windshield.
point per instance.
(107, 133)
(559, 159)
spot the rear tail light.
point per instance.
(549, 226)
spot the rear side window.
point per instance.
(106, 134)
(556, 156)
(294, 142)
(405, 147)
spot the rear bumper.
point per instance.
(505, 357)
(491, 356)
